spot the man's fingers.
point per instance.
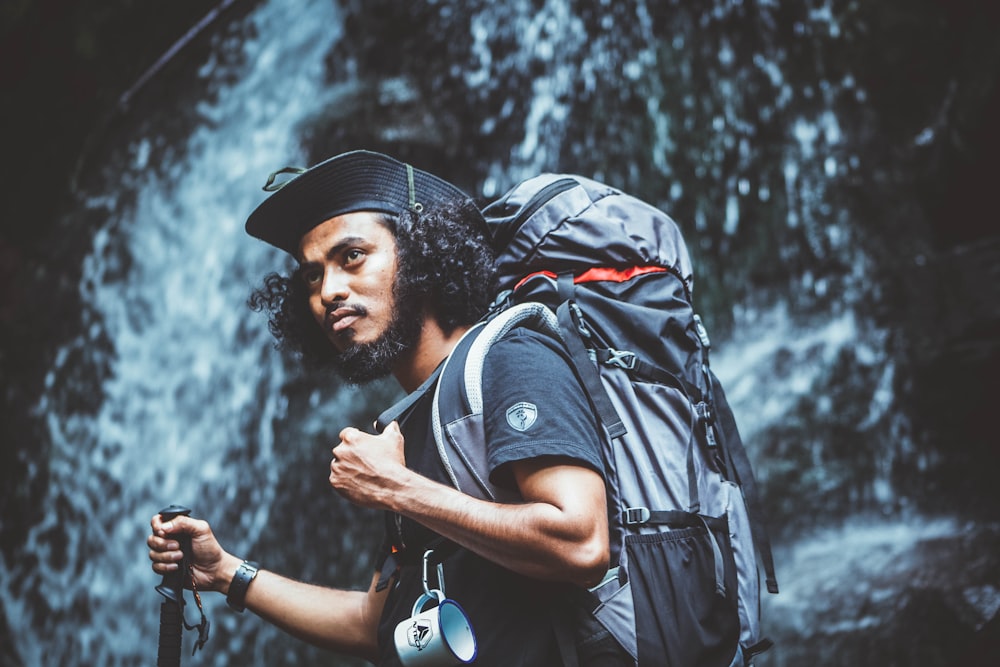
(161, 527)
(348, 434)
(160, 543)
(166, 557)
(179, 525)
(165, 568)
(164, 553)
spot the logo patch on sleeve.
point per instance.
(521, 416)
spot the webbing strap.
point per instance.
(442, 549)
(673, 518)
(401, 408)
(389, 571)
(692, 473)
(719, 565)
(740, 465)
(587, 372)
(764, 644)
(639, 367)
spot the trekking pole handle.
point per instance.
(172, 607)
(172, 586)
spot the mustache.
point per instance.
(341, 310)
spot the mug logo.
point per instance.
(521, 416)
(420, 634)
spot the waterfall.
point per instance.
(191, 382)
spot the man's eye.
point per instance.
(352, 256)
(311, 277)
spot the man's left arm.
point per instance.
(559, 532)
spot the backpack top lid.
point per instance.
(565, 223)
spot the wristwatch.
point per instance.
(245, 573)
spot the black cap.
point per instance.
(355, 181)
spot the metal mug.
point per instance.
(437, 637)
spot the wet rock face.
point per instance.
(888, 592)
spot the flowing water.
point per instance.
(188, 383)
(170, 390)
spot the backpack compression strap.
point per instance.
(586, 371)
(721, 415)
(740, 464)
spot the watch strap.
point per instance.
(245, 574)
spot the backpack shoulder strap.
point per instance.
(457, 412)
(400, 410)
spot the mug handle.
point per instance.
(430, 595)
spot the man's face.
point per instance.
(349, 265)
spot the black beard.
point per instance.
(364, 362)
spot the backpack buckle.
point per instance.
(702, 332)
(621, 359)
(579, 321)
(636, 515)
(706, 417)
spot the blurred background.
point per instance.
(831, 162)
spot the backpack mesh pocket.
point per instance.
(675, 581)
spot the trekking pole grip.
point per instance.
(172, 607)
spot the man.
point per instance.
(394, 267)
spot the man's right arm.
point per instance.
(338, 620)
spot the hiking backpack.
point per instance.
(610, 276)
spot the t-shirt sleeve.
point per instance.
(533, 406)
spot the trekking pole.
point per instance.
(172, 607)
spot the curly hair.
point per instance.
(444, 260)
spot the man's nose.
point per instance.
(334, 287)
